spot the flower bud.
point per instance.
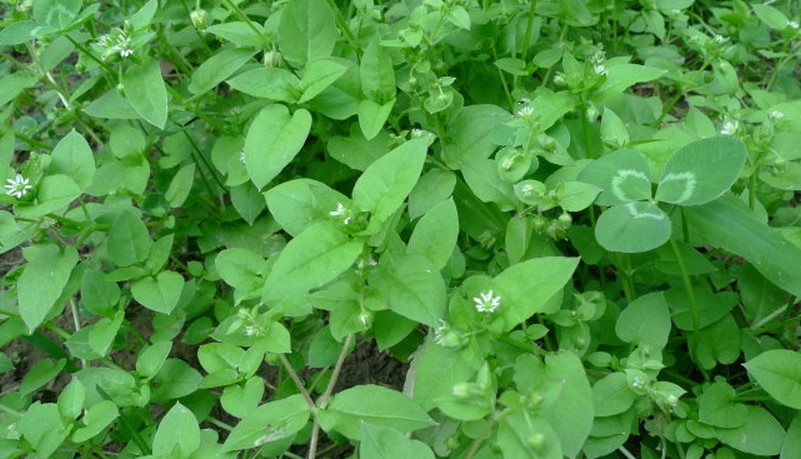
(273, 59)
(200, 19)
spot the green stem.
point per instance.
(327, 395)
(688, 287)
(343, 24)
(233, 8)
(527, 38)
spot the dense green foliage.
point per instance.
(570, 225)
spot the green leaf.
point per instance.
(43, 280)
(103, 333)
(180, 186)
(152, 358)
(40, 374)
(307, 31)
(433, 187)
(512, 66)
(376, 73)
(470, 133)
(576, 196)
(623, 75)
(71, 400)
(414, 289)
(311, 260)
(613, 130)
(43, 428)
(373, 116)
(57, 14)
(571, 414)
(13, 85)
(792, 443)
(719, 342)
(436, 369)
(239, 400)
(716, 407)
(645, 321)
(526, 288)
(161, 293)
(176, 379)
(623, 176)
(435, 234)
(384, 185)
(97, 418)
(612, 395)
(268, 83)
(701, 171)
(375, 405)
(300, 203)
(247, 201)
(633, 227)
(523, 435)
(217, 68)
(771, 16)
(178, 429)
(54, 194)
(317, 76)
(145, 91)
(18, 33)
(268, 423)
(128, 241)
(778, 371)
(239, 33)
(144, 16)
(386, 443)
(273, 140)
(761, 435)
(728, 224)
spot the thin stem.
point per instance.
(479, 440)
(76, 320)
(688, 287)
(327, 395)
(625, 452)
(232, 7)
(298, 382)
(527, 38)
(343, 24)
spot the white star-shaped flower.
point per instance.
(18, 186)
(487, 302)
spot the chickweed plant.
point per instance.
(400, 229)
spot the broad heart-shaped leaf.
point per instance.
(307, 31)
(645, 321)
(415, 289)
(298, 204)
(761, 435)
(701, 171)
(178, 428)
(128, 241)
(160, 294)
(716, 407)
(612, 395)
(73, 157)
(778, 371)
(58, 14)
(273, 140)
(41, 283)
(270, 422)
(377, 73)
(386, 443)
(240, 268)
(623, 176)
(384, 185)
(435, 234)
(54, 194)
(145, 91)
(310, 260)
(633, 227)
(435, 369)
(375, 405)
(526, 287)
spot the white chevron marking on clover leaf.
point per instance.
(621, 176)
(689, 179)
(636, 214)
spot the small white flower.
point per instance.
(527, 189)
(672, 400)
(487, 302)
(775, 115)
(600, 69)
(507, 163)
(525, 113)
(417, 133)
(340, 210)
(729, 127)
(242, 157)
(440, 331)
(126, 52)
(793, 24)
(719, 39)
(638, 383)
(18, 186)
(559, 78)
(250, 330)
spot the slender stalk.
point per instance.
(327, 395)
(233, 8)
(625, 452)
(76, 320)
(688, 287)
(297, 381)
(527, 38)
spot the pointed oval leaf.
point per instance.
(778, 371)
(160, 294)
(298, 204)
(273, 140)
(43, 280)
(73, 157)
(307, 31)
(145, 91)
(633, 227)
(435, 234)
(268, 423)
(645, 321)
(178, 428)
(701, 171)
(217, 68)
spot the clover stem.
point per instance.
(688, 287)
